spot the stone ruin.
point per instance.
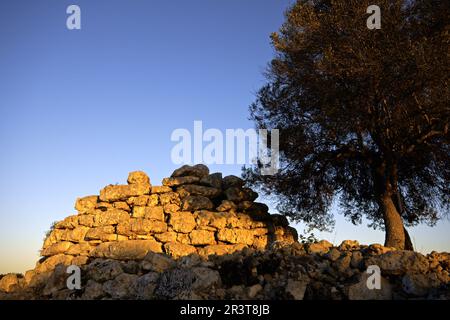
(201, 236)
(193, 212)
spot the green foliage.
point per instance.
(305, 239)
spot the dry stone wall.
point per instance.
(192, 212)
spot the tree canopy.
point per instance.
(363, 114)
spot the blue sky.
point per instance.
(79, 109)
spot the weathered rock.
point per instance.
(296, 289)
(232, 181)
(174, 284)
(158, 262)
(111, 217)
(206, 218)
(86, 204)
(141, 201)
(113, 193)
(104, 233)
(361, 291)
(198, 170)
(75, 235)
(182, 221)
(102, 206)
(235, 236)
(122, 205)
(93, 291)
(80, 260)
(70, 222)
(377, 248)
(161, 189)
(202, 237)
(154, 213)
(194, 203)
(82, 249)
(170, 198)
(178, 181)
(145, 286)
(8, 281)
(236, 194)
(349, 244)
(333, 254)
(357, 258)
(213, 180)
(169, 236)
(417, 284)
(59, 247)
(183, 238)
(320, 247)
(50, 263)
(126, 250)
(87, 220)
(343, 263)
(196, 190)
(56, 281)
(220, 249)
(121, 287)
(54, 236)
(145, 226)
(254, 290)
(171, 208)
(205, 278)
(227, 205)
(398, 262)
(102, 270)
(138, 177)
(177, 250)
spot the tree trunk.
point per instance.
(395, 231)
(408, 243)
(397, 199)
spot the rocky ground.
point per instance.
(296, 271)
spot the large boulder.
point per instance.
(178, 181)
(158, 262)
(236, 236)
(8, 281)
(361, 290)
(320, 247)
(126, 250)
(202, 237)
(121, 287)
(182, 221)
(196, 190)
(86, 204)
(113, 193)
(138, 177)
(57, 248)
(399, 262)
(213, 180)
(194, 203)
(177, 250)
(295, 289)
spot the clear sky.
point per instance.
(79, 109)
